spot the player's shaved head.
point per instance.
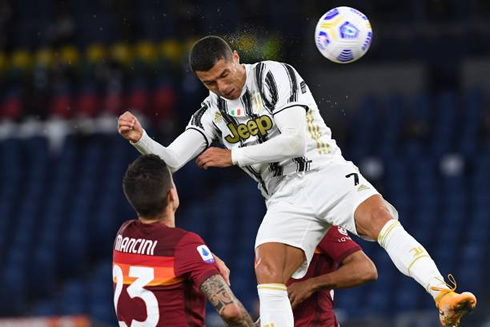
(206, 52)
(146, 185)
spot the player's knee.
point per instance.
(232, 313)
(381, 215)
(378, 218)
(268, 272)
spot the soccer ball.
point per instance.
(343, 35)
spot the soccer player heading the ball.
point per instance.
(270, 126)
(163, 274)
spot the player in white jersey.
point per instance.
(268, 121)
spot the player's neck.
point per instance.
(168, 219)
(244, 75)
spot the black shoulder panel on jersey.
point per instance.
(272, 86)
(197, 117)
(294, 83)
(259, 73)
(246, 100)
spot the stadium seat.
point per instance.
(14, 293)
(73, 298)
(44, 308)
(74, 260)
(156, 29)
(164, 102)
(350, 301)
(138, 99)
(88, 103)
(61, 106)
(406, 294)
(12, 106)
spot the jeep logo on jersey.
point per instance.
(205, 254)
(251, 128)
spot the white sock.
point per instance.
(410, 257)
(275, 308)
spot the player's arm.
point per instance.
(185, 147)
(356, 269)
(223, 269)
(291, 143)
(224, 301)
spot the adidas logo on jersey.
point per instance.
(362, 188)
(218, 117)
(253, 127)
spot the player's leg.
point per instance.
(375, 220)
(349, 200)
(275, 263)
(285, 244)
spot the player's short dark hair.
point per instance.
(146, 184)
(206, 52)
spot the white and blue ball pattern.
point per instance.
(343, 35)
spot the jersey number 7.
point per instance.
(143, 275)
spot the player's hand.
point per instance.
(129, 127)
(214, 157)
(300, 291)
(223, 269)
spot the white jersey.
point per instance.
(270, 88)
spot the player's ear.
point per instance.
(173, 198)
(236, 57)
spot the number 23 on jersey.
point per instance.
(143, 275)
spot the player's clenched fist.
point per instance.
(214, 157)
(129, 127)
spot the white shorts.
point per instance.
(305, 205)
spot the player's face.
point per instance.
(226, 79)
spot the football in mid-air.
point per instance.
(343, 35)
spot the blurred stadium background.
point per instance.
(414, 114)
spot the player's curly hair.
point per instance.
(206, 52)
(146, 184)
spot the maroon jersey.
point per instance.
(332, 250)
(157, 273)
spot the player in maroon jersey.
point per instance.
(312, 296)
(162, 274)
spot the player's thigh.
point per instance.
(337, 191)
(276, 262)
(292, 222)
